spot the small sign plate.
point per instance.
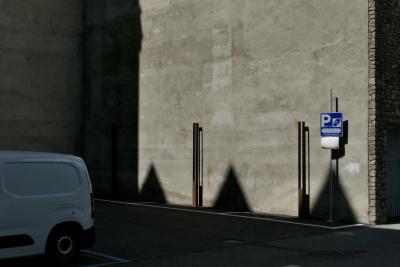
(331, 124)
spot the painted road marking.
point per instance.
(233, 215)
(102, 257)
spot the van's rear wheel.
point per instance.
(63, 245)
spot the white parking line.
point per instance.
(111, 259)
(232, 215)
(101, 264)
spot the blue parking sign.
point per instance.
(331, 124)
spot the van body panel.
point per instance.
(39, 191)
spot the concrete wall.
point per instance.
(41, 75)
(247, 71)
(126, 84)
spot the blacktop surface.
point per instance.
(150, 234)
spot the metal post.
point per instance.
(308, 161)
(303, 163)
(201, 167)
(337, 104)
(114, 160)
(195, 164)
(336, 177)
(299, 154)
(302, 167)
(307, 188)
(300, 200)
(330, 169)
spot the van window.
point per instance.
(40, 178)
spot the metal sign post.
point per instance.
(331, 131)
(330, 168)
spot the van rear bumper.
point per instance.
(88, 237)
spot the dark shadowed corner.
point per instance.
(152, 190)
(111, 62)
(231, 196)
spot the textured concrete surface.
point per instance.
(247, 71)
(41, 75)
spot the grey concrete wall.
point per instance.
(41, 75)
(247, 71)
(126, 84)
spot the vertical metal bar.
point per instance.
(396, 145)
(195, 164)
(201, 168)
(337, 104)
(308, 162)
(303, 156)
(198, 166)
(303, 168)
(201, 155)
(299, 168)
(395, 165)
(114, 161)
(390, 172)
(299, 154)
(330, 169)
(308, 172)
(395, 178)
(336, 177)
(194, 168)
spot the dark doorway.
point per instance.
(393, 171)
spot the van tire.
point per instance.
(63, 245)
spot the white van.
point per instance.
(46, 205)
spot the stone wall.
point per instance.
(384, 96)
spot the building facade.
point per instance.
(121, 82)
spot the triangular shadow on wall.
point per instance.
(342, 210)
(152, 190)
(231, 196)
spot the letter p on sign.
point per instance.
(325, 120)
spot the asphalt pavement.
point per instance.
(162, 235)
(146, 234)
